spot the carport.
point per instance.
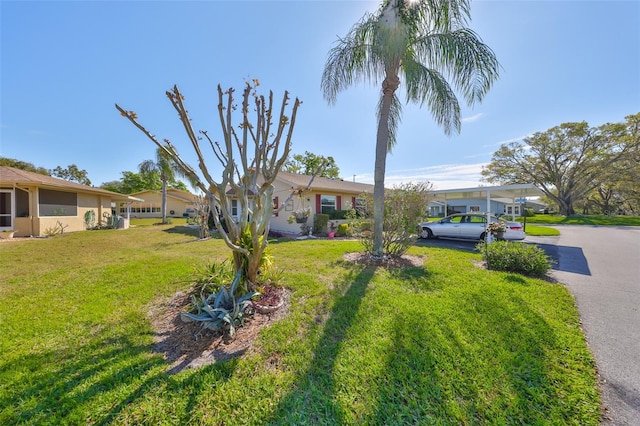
(507, 194)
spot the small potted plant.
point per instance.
(497, 230)
(332, 229)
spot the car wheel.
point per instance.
(483, 236)
(426, 233)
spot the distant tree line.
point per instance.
(161, 173)
(595, 169)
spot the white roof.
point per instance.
(506, 193)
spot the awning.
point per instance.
(506, 194)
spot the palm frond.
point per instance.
(352, 60)
(425, 85)
(439, 15)
(470, 64)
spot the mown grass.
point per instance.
(585, 220)
(444, 343)
(541, 231)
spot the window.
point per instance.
(513, 210)
(327, 203)
(58, 203)
(234, 208)
(474, 209)
(22, 203)
(361, 206)
(5, 208)
(456, 209)
(455, 219)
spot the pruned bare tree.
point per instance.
(251, 153)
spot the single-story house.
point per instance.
(323, 196)
(178, 203)
(31, 203)
(504, 199)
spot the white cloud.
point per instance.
(508, 141)
(447, 176)
(472, 118)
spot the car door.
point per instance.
(448, 227)
(472, 227)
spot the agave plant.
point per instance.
(221, 310)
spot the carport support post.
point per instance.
(487, 237)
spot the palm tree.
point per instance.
(168, 171)
(425, 43)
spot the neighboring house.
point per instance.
(323, 196)
(178, 203)
(31, 203)
(504, 199)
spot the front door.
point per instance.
(6, 209)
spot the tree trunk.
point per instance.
(164, 201)
(389, 86)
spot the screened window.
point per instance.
(57, 203)
(234, 208)
(22, 203)
(327, 203)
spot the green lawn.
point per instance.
(445, 343)
(585, 220)
(540, 231)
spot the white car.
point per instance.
(471, 226)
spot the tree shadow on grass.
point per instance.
(311, 401)
(184, 230)
(483, 363)
(108, 374)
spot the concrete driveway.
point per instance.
(601, 267)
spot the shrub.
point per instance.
(90, 219)
(404, 208)
(338, 214)
(343, 230)
(208, 280)
(515, 257)
(320, 222)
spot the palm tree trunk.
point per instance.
(164, 201)
(389, 85)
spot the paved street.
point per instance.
(601, 267)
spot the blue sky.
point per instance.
(64, 65)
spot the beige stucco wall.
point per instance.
(280, 222)
(100, 205)
(33, 225)
(154, 199)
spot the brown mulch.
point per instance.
(390, 262)
(188, 345)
